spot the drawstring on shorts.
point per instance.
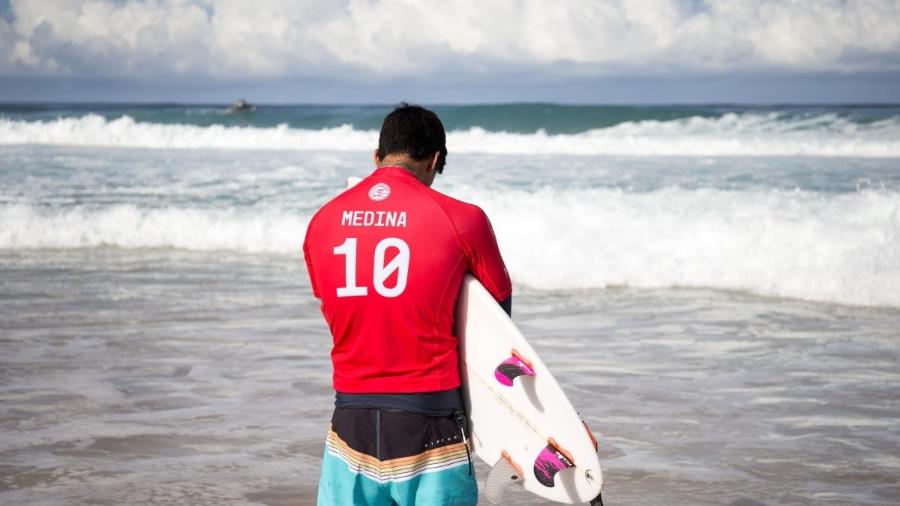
(460, 418)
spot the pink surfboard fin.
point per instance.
(512, 368)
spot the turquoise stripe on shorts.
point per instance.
(439, 475)
(341, 486)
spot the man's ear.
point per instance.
(375, 157)
(434, 161)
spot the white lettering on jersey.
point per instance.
(381, 270)
(373, 219)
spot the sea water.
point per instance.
(717, 289)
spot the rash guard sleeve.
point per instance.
(309, 267)
(483, 254)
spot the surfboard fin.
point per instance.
(550, 461)
(504, 473)
(512, 368)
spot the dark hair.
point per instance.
(415, 131)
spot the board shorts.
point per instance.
(386, 457)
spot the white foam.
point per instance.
(843, 249)
(729, 135)
(128, 226)
(94, 130)
(832, 248)
(748, 134)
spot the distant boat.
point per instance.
(241, 105)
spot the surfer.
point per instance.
(387, 259)
(241, 105)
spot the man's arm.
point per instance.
(506, 304)
(485, 261)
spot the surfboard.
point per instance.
(521, 422)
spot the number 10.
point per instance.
(380, 271)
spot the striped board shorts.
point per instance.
(386, 457)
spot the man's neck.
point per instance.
(418, 168)
(397, 163)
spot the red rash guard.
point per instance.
(387, 258)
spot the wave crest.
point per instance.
(732, 134)
(841, 249)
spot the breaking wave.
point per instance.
(830, 248)
(731, 134)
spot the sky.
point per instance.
(451, 51)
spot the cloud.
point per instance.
(380, 39)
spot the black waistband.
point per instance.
(444, 403)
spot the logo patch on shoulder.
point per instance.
(379, 192)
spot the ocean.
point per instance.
(717, 288)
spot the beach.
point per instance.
(717, 289)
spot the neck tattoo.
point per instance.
(405, 165)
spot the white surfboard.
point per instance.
(521, 422)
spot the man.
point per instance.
(387, 258)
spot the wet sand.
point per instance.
(165, 377)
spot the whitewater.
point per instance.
(731, 134)
(795, 244)
(780, 203)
